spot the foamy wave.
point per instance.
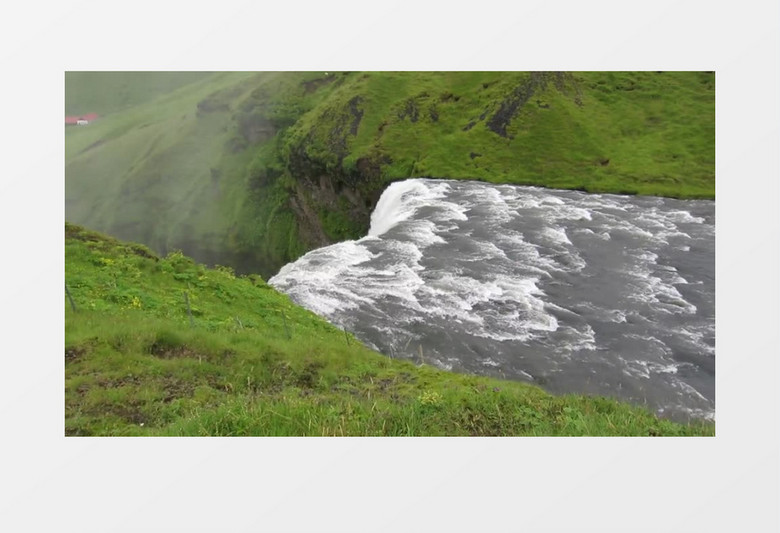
(398, 203)
(401, 200)
(684, 216)
(653, 289)
(557, 235)
(424, 233)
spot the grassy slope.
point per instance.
(656, 130)
(110, 92)
(130, 172)
(174, 171)
(218, 184)
(254, 364)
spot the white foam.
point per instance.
(665, 297)
(647, 256)
(658, 368)
(690, 390)
(423, 233)
(586, 339)
(526, 375)
(617, 316)
(570, 212)
(407, 253)
(488, 250)
(610, 315)
(636, 369)
(652, 289)
(683, 216)
(510, 308)
(557, 235)
(552, 200)
(696, 337)
(396, 205)
(400, 282)
(319, 269)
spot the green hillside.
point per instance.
(165, 346)
(254, 169)
(109, 92)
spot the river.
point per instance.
(578, 293)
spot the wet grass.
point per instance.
(252, 363)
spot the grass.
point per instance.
(639, 132)
(252, 363)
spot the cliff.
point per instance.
(252, 170)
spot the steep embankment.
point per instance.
(165, 346)
(252, 170)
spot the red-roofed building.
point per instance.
(81, 120)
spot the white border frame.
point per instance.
(726, 483)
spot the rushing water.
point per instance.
(586, 293)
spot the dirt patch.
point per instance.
(74, 353)
(129, 380)
(176, 388)
(165, 351)
(383, 385)
(512, 104)
(410, 110)
(131, 412)
(357, 114)
(308, 377)
(448, 97)
(537, 81)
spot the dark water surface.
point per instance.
(586, 293)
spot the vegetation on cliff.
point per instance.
(165, 346)
(254, 169)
